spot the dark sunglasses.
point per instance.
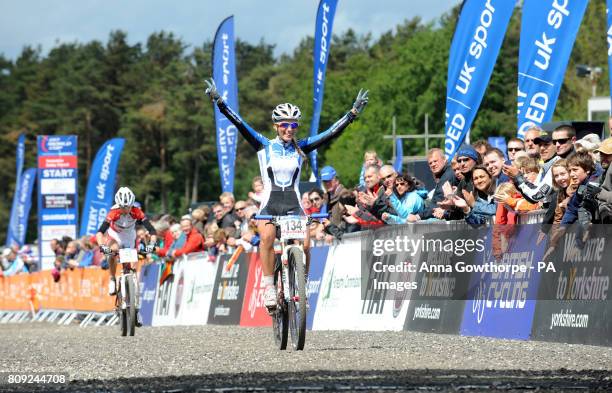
(561, 141)
(515, 149)
(401, 183)
(462, 160)
(293, 126)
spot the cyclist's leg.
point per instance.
(267, 235)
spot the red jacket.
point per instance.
(194, 243)
(168, 240)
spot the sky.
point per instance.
(283, 23)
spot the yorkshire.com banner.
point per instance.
(101, 186)
(323, 37)
(548, 32)
(24, 203)
(12, 228)
(224, 74)
(478, 36)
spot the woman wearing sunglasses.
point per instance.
(280, 163)
(404, 198)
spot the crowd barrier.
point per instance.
(572, 304)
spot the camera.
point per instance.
(589, 191)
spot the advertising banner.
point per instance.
(577, 305)
(228, 293)
(318, 259)
(198, 281)
(149, 276)
(502, 304)
(24, 203)
(254, 313)
(548, 32)
(478, 37)
(224, 74)
(100, 186)
(322, 43)
(11, 236)
(167, 302)
(437, 304)
(57, 190)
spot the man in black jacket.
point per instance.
(442, 173)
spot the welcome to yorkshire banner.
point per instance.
(12, 228)
(548, 32)
(478, 36)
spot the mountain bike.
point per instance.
(290, 279)
(127, 300)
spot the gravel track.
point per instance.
(231, 358)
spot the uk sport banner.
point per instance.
(57, 192)
(12, 228)
(609, 38)
(323, 36)
(478, 36)
(101, 186)
(548, 32)
(24, 203)
(224, 74)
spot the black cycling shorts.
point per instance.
(282, 203)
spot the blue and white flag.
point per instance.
(323, 37)
(548, 32)
(399, 155)
(101, 186)
(478, 36)
(609, 37)
(224, 74)
(24, 203)
(11, 232)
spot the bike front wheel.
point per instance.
(297, 298)
(280, 317)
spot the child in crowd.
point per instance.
(257, 194)
(369, 158)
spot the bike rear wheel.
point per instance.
(297, 298)
(280, 317)
(131, 304)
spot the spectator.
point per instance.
(75, 255)
(369, 158)
(13, 262)
(604, 196)
(162, 227)
(334, 189)
(346, 198)
(306, 205)
(193, 242)
(481, 146)
(256, 195)
(221, 218)
(404, 199)
(540, 190)
(210, 230)
(58, 266)
(581, 205)
(589, 143)
(198, 218)
(178, 238)
(467, 158)
(317, 200)
(530, 146)
(478, 206)
(242, 222)
(456, 170)
(560, 198)
(365, 199)
(564, 137)
(494, 162)
(229, 218)
(515, 145)
(442, 173)
(89, 251)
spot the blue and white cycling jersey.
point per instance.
(280, 163)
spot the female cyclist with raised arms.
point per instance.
(280, 163)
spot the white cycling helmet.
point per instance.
(124, 197)
(286, 111)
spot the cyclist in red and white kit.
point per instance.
(120, 224)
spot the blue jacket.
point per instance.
(409, 203)
(483, 209)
